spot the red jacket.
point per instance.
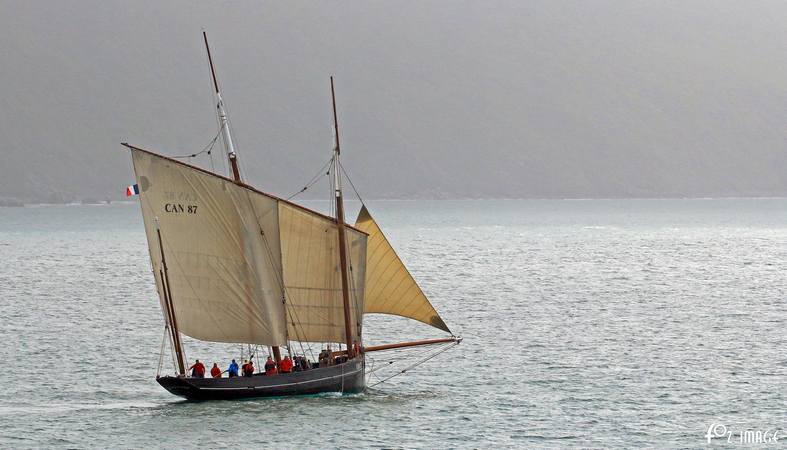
(270, 367)
(215, 372)
(248, 368)
(199, 368)
(286, 365)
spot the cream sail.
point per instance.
(244, 266)
(390, 289)
(310, 259)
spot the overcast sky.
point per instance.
(436, 99)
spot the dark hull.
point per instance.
(347, 377)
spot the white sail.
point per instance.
(245, 266)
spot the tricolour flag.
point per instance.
(132, 190)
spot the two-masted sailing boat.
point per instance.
(236, 265)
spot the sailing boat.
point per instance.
(234, 264)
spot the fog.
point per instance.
(536, 99)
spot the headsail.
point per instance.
(241, 262)
(390, 289)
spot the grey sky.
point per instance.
(436, 99)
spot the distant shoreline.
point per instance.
(18, 204)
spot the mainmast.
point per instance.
(229, 145)
(224, 123)
(337, 185)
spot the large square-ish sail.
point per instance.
(222, 273)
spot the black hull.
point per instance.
(347, 377)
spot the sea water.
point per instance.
(586, 323)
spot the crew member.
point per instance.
(197, 370)
(326, 357)
(286, 365)
(301, 363)
(233, 369)
(270, 366)
(248, 368)
(215, 372)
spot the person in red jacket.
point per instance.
(248, 369)
(270, 367)
(286, 365)
(215, 372)
(197, 370)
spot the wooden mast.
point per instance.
(342, 237)
(229, 144)
(223, 120)
(172, 321)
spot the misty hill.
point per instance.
(436, 99)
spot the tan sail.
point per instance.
(244, 266)
(390, 289)
(312, 277)
(223, 278)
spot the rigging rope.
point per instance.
(161, 352)
(414, 353)
(207, 149)
(313, 179)
(418, 363)
(346, 175)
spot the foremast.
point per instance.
(224, 123)
(337, 186)
(229, 144)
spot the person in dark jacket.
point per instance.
(270, 367)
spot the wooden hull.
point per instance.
(347, 377)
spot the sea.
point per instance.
(585, 324)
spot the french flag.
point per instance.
(132, 190)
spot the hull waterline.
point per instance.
(345, 378)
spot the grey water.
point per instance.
(586, 323)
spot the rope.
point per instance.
(371, 370)
(161, 352)
(418, 363)
(313, 180)
(351, 183)
(416, 353)
(207, 149)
